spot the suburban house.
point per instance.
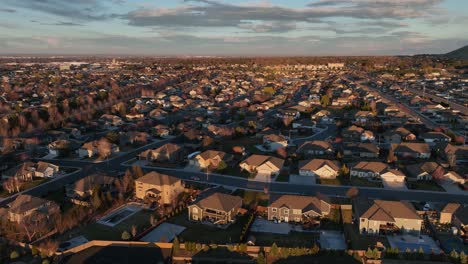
(322, 168)
(272, 142)
(294, 208)
(323, 117)
(425, 170)
(411, 150)
(447, 213)
(381, 216)
(168, 152)
(393, 178)
(59, 147)
(363, 116)
(262, 165)
(28, 170)
(30, 206)
(398, 135)
(368, 169)
(83, 188)
(352, 133)
(453, 154)
(90, 149)
(361, 150)
(218, 208)
(110, 120)
(457, 215)
(45, 170)
(161, 187)
(210, 158)
(315, 148)
(435, 137)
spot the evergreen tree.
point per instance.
(125, 235)
(463, 258)
(175, 245)
(261, 258)
(274, 250)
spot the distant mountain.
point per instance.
(461, 53)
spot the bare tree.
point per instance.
(104, 148)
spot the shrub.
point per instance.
(14, 254)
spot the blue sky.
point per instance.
(240, 27)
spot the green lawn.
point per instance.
(96, 231)
(250, 197)
(425, 185)
(358, 241)
(293, 239)
(201, 233)
(356, 181)
(336, 181)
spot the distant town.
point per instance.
(233, 160)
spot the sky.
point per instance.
(233, 28)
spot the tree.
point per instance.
(104, 148)
(96, 197)
(463, 258)
(454, 255)
(125, 235)
(14, 255)
(137, 172)
(391, 156)
(274, 250)
(325, 100)
(352, 192)
(344, 171)
(222, 165)
(261, 258)
(315, 249)
(175, 245)
(134, 230)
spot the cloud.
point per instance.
(206, 13)
(7, 10)
(83, 10)
(268, 27)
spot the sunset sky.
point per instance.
(214, 27)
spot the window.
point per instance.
(274, 210)
(363, 220)
(286, 211)
(297, 211)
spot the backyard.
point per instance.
(97, 231)
(293, 239)
(202, 233)
(358, 241)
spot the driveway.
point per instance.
(394, 185)
(452, 188)
(302, 180)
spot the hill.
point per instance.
(461, 53)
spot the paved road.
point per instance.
(280, 187)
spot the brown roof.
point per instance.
(157, 178)
(26, 202)
(428, 167)
(315, 164)
(304, 203)
(167, 148)
(257, 160)
(274, 138)
(450, 208)
(412, 147)
(220, 201)
(210, 154)
(88, 183)
(316, 144)
(374, 166)
(389, 210)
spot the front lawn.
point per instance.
(236, 171)
(293, 239)
(201, 233)
(96, 231)
(425, 185)
(336, 181)
(356, 181)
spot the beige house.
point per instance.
(325, 169)
(262, 164)
(380, 216)
(446, 215)
(294, 208)
(210, 158)
(168, 152)
(218, 208)
(84, 188)
(159, 186)
(30, 206)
